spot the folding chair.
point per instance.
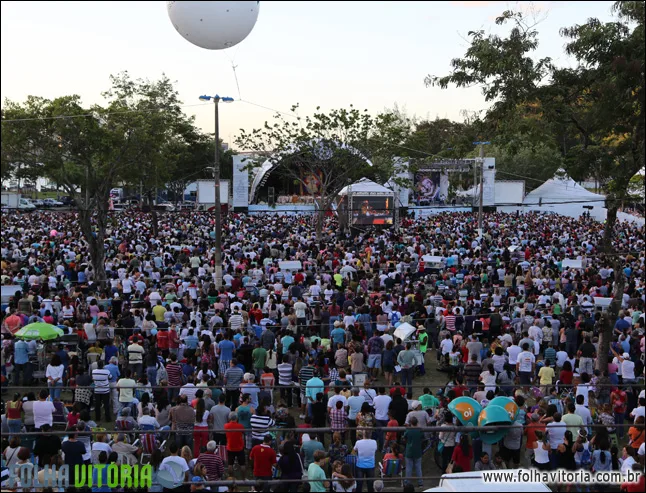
(221, 451)
(392, 468)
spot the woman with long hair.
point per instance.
(463, 453)
(54, 373)
(291, 467)
(342, 480)
(13, 415)
(201, 427)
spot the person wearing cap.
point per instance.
(197, 483)
(627, 367)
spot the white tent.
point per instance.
(365, 186)
(563, 190)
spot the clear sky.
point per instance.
(333, 54)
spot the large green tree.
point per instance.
(89, 150)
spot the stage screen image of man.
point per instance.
(427, 187)
(372, 210)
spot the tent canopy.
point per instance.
(563, 190)
(366, 186)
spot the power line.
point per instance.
(93, 114)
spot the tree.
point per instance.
(87, 151)
(334, 149)
(594, 112)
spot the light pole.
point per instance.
(481, 159)
(216, 178)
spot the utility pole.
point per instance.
(481, 190)
(218, 206)
(481, 162)
(216, 178)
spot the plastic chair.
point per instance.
(392, 468)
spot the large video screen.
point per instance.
(372, 209)
(426, 187)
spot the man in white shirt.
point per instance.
(583, 411)
(381, 403)
(446, 345)
(526, 366)
(513, 351)
(179, 464)
(43, 410)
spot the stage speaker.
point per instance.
(271, 198)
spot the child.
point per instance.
(73, 416)
(391, 436)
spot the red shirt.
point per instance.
(235, 441)
(263, 457)
(392, 435)
(464, 461)
(173, 339)
(162, 339)
(566, 377)
(402, 391)
(635, 487)
(459, 390)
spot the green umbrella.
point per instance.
(39, 331)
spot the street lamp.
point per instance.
(216, 178)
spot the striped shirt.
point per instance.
(306, 373)
(101, 378)
(174, 372)
(450, 322)
(214, 465)
(259, 425)
(285, 374)
(236, 321)
(233, 377)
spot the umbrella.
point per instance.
(39, 331)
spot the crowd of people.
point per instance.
(159, 365)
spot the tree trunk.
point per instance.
(608, 318)
(95, 241)
(153, 214)
(611, 219)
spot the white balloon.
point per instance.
(213, 25)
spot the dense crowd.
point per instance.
(158, 365)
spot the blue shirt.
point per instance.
(338, 335)
(226, 350)
(191, 342)
(110, 351)
(313, 387)
(114, 371)
(104, 480)
(21, 353)
(286, 342)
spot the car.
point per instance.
(52, 203)
(38, 203)
(66, 200)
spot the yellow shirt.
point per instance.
(159, 312)
(546, 374)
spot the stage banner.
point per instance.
(426, 188)
(240, 182)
